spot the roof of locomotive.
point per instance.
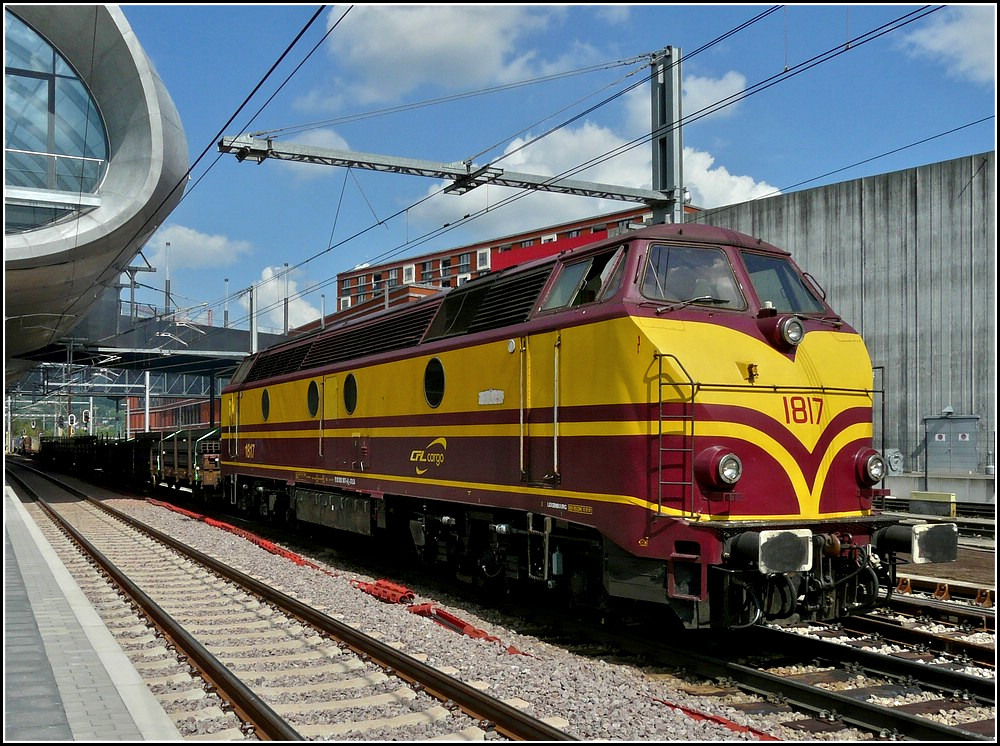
(688, 233)
(427, 307)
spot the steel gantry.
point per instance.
(666, 199)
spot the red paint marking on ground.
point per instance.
(452, 622)
(264, 544)
(736, 727)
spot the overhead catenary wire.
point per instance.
(442, 99)
(183, 180)
(798, 69)
(802, 67)
(606, 101)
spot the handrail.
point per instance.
(690, 416)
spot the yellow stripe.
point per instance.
(808, 500)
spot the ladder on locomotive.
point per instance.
(675, 460)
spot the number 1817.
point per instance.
(803, 410)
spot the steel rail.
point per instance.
(982, 655)
(506, 719)
(944, 679)
(251, 708)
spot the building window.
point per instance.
(393, 277)
(427, 271)
(482, 259)
(573, 233)
(526, 244)
(464, 263)
(409, 272)
(54, 137)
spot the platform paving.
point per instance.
(65, 676)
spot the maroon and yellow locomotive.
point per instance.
(674, 416)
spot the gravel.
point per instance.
(589, 698)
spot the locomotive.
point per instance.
(673, 417)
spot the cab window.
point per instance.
(691, 275)
(777, 282)
(588, 280)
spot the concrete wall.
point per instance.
(979, 488)
(909, 259)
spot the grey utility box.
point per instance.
(951, 444)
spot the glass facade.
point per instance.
(55, 140)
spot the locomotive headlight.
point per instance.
(791, 331)
(785, 332)
(730, 468)
(869, 467)
(718, 468)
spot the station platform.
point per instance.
(65, 676)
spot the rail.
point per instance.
(505, 718)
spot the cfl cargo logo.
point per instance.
(431, 455)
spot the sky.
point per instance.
(776, 99)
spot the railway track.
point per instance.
(829, 682)
(839, 694)
(275, 668)
(966, 641)
(905, 692)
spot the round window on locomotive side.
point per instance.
(434, 382)
(312, 399)
(265, 404)
(350, 393)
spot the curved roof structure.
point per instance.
(76, 236)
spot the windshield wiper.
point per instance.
(700, 299)
(834, 321)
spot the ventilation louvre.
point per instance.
(510, 301)
(392, 332)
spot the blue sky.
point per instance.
(816, 94)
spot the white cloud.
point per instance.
(614, 14)
(191, 249)
(384, 51)
(269, 297)
(701, 93)
(963, 38)
(714, 186)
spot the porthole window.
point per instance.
(434, 382)
(265, 404)
(350, 393)
(312, 398)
